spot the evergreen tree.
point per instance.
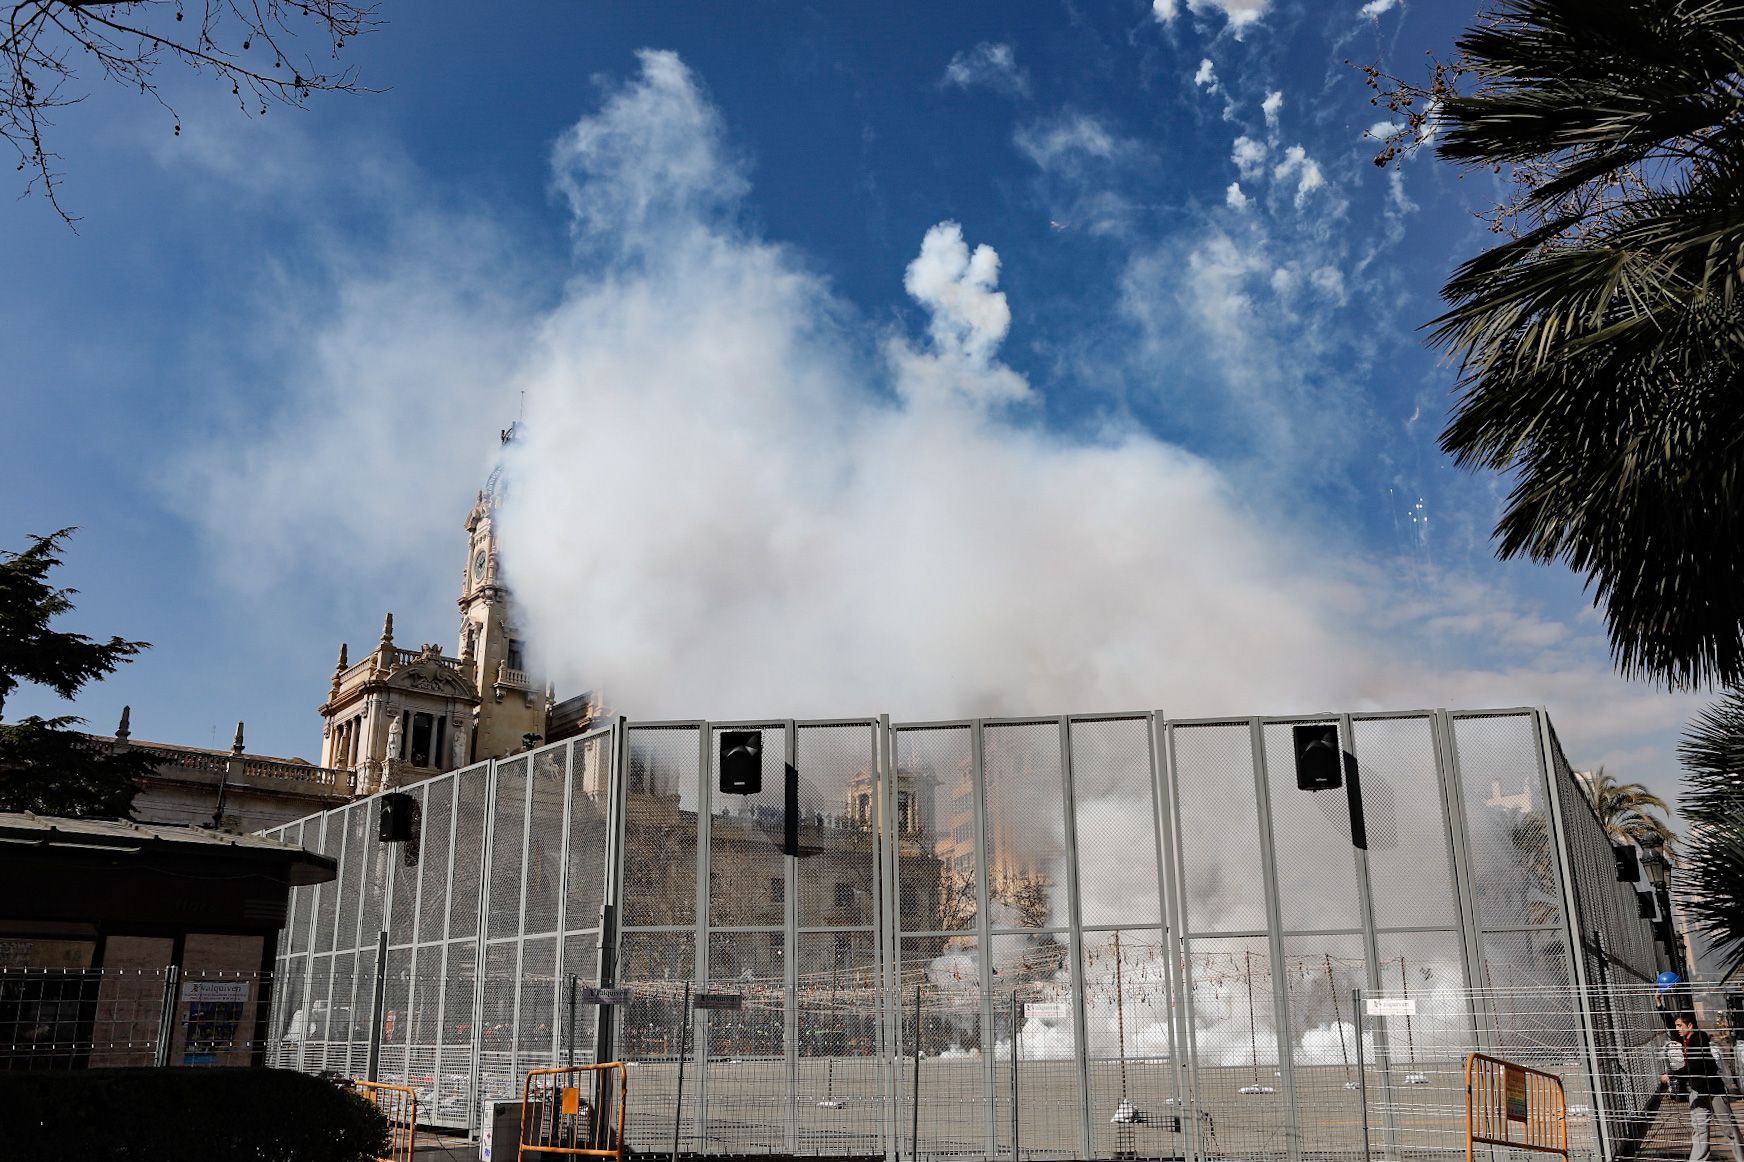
(45, 766)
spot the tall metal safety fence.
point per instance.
(1091, 936)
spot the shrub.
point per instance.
(215, 1115)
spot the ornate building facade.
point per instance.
(400, 715)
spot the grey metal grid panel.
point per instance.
(937, 869)
(589, 810)
(952, 1048)
(747, 1087)
(376, 857)
(330, 843)
(341, 1017)
(1324, 1040)
(660, 825)
(507, 849)
(1127, 1002)
(396, 1026)
(544, 872)
(464, 895)
(1311, 842)
(1507, 817)
(840, 1093)
(362, 1013)
(433, 859)
(496, 1022)
(1026, 826)
(745, 838)
(1417, 1058)
(1410, 863)
(352, 868)
(580, 956)
(1237, 1086)
(838, 771)
(426, 992)
(1532, 1002)
(291, 1013)
(1113, 791)
(1218, 827)
(402, 918)
(453, 1084)
(536, 1013)
(655, 967)
(1038, 967)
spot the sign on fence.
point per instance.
(1514, 1084)
(592, 996)
(1045, 1010)
(717, 1001)
(1392, 1006)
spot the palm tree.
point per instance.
(1625, 810)
(1601, 349)
(1711, 881)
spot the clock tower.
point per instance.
(512, 705)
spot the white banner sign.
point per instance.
(1046, 1010)
(1392, 1007)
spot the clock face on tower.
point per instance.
(478, 566)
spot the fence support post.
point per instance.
(377, 994)
(166, 1021)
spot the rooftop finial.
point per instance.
(236, 746)
(339, 667)
(121, 731)
(388, 631)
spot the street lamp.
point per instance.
(1653, 860)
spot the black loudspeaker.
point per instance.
(1644, 906)
(397, 809)
(741, 762)
(1628, 864)
(1319, 760)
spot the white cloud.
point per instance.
(1304, 169)
(1239, 13)
(1329, 281)
(1065, 140)
(1206, 77)
(1249, 157)
(1376, 7)
(1234, 198)
(988, 65)
(1271, 105)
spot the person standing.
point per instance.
(1699, 1075)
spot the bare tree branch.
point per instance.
(252, 44)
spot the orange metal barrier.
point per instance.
(400, 1105)
(574, 1111)
(1500, 1095)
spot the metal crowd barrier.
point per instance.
(574, 1111)
(399, 1104)
(1500, 1095)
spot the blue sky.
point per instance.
(938, 360)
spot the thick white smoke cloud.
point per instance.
(719, 509)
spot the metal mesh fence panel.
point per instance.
(1038, 967)
(544, 865)
(1218, 827)
(1236, 1081)
(744, 1108)
(937, 864)
(747, 882)
(660, 825)
(589, 812)
(657, 967)
(1114, 809)
(1321, 977)
(470, 789)
(1410, 857)
(838, 787)
(503, 912)
(496, 1021)
(839, 1101)
(1026, 826)
(1508, 822)
(536, 1012)
(435, 859)
(1311, 843)
(1134, 1090)
(940, 1056)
